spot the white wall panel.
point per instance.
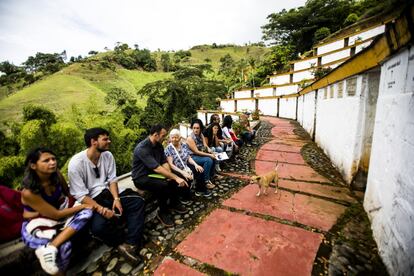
(227, 106)
(367, 34)
(305, 64)
(336, 56)
(283, 79)
(268, 106)
(287, 89)
(287, 108)
(389, 197)
(242, 94)
(248, 105)
(330, 47)
(304, 75)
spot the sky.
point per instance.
(79, 26)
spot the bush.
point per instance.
(321, 34)
(32, 135)
(65, 140)
(351, 19)
(11, 170)
(38, 112)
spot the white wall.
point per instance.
(304, 75)
(287, 89)
(305, 64)
(362, 46)
(335, 56)
(264, 92)
(242, 94)
(330, 47)
(287, 108)
(268, 106)
(227, 105)
(245, 105)
(282, 79)
(389, 197)
(337, 131)
(367, 34)
(306, 112)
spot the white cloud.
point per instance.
(78, 26)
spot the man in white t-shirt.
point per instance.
(92, 180)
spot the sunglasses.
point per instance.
(96, 170)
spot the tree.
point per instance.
(166, 62)
(173, 100)
(45, 63)
(92, 53)
(296, 27)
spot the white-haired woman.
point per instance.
(179, 158)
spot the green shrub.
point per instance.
(65, 140)
(11, 170)
(32, 135)
(38, 112)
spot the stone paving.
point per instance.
(313, 225)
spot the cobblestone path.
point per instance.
(314, 225)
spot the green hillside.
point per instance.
(76, 83)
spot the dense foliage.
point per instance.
(297, 27)
(174, 100)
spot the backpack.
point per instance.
(11, 214)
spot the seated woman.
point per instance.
(229, 134)
(179, 158)
(201, 153)
(213, 142)
(51, 220)
(247, 133)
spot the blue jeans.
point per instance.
(208, 165)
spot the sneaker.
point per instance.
(47, 257)
(165, 219)
(179, 208)
(129, 252)
(185, 201)
(206, 194)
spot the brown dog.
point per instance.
(264, 180)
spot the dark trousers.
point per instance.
(162, 189)
(133, 214)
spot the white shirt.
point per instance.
(82, 177)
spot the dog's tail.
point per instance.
(277, 165)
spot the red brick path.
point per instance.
(252, 239)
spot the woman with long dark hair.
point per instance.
(51, 219)
(201, 153)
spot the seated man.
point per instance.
(151, 172)
(92, 178)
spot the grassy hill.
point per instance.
(80, 81)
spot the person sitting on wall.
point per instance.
(179, 157)
(213, 142)
(92, 178)
(202, 154)
(247, 133)
(51, 219)
(229, 134)
(225, 143)
(151, 172)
